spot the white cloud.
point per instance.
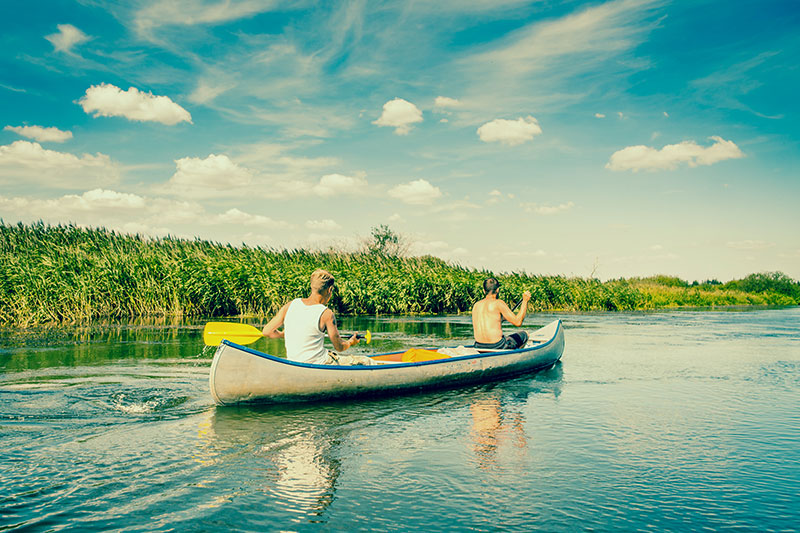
(400, 115)
(74, 205)
(642, 157)
(132, 213)
(322, 225)
(41, 134)
(333, 184)
(396, 218)
(107, 100)
(446, 8)
(418, 192)
(525, 253)
(548, 209)
(67, 37)
(730, 87)
(13, 89)
(750, 245)
(510, 132)
(194, 12)
(279, 166)
(259, 171)
(104, 208)
(31, 154)
(794, 254)
(443, 102)
(428, 247)
(604, 28)
(455, 212)
(105, 199)
(209, 177)
(23, 159)
(206, 92)
(240, 218)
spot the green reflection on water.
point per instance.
(106, 342)
(97, 344)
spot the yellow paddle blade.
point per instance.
(415, 355)
(215, 332)
(368, 337)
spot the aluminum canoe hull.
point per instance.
(242, 375)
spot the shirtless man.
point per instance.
(488, 314)
(305, 322)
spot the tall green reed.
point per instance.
(67, 273)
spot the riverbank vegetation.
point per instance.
(67, 273)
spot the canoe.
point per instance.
(243, 375)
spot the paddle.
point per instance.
(516, 306)
(215, 332)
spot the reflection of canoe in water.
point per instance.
(241, 375)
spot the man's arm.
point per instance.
(523, 310)
(328, 322)
(271, 329)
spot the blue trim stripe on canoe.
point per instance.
(393, 364)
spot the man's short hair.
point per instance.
(321, 280)
(491, 285)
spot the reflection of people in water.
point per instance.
(491, 426)
(306, 475)
(297, 465)
(497, 417)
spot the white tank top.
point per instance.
(305, 342)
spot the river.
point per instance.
(678, 420)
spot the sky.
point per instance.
(608, 139)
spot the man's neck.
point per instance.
(313, 298)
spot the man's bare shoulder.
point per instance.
(488, 307)
(497, 305)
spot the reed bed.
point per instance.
(67, 273)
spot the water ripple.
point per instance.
(673, 421)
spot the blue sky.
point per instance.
(618, 138)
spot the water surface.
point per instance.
(660, 421)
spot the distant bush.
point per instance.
(666, 281)
(766, 282)
(385, 241)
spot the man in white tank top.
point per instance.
(305, 322)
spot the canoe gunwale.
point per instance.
(396, 365)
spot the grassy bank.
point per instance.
(67, 273)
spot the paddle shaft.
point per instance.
(344, 335)
(517, 306)
(215, 332)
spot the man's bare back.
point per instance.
(488, 315)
